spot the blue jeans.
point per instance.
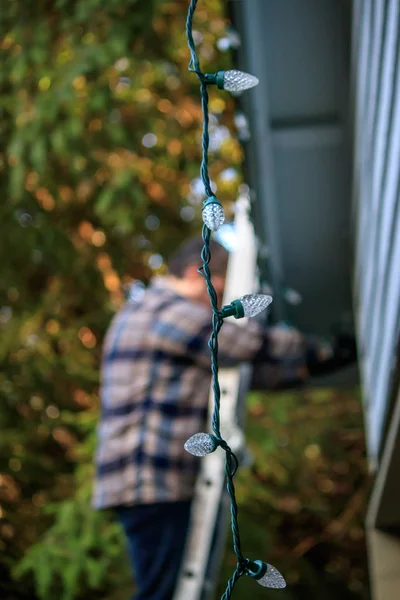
(156, 535)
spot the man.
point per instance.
(154, 395)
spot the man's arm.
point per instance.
(277, 352)
(185, 329)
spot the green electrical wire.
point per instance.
(231, 464)
(201, 444)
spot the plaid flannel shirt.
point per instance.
(154, 396)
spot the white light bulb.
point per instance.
(272, 579)
(238, 81)
(213, 216)
(200, 444)
(254, 304)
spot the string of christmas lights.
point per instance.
(202, 444)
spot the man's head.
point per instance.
(184, 264)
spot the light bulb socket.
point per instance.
(211, 78)
(217, 79)
(256, 568)
(211, 200)
(234, 309)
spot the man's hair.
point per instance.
(189, 255)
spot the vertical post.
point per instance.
(384, 561)
(254, 32)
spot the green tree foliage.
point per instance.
(100, 124)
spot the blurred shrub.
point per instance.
(302, 503)
(82, 553)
